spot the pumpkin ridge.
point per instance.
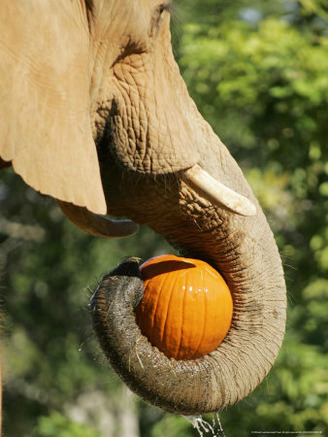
(159, 286)
(185, 296)
(205, 319)
(152, 296)
(168, 309)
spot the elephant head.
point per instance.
(94, 112)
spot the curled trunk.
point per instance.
(242, 249)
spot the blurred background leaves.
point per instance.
(258, 73)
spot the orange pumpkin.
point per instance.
(186, 309)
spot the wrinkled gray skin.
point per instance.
(109, 84)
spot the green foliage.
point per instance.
(315, 7)
(57, 425)
(174, 426)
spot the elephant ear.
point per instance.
(44, 100)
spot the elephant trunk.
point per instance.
(241, 248)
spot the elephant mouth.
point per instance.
(194, 177)
(243, 250)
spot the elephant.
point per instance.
(94, 112)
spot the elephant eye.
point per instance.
(165, 7)
(157, 17)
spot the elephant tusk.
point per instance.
(96, 225)
(211, 189)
